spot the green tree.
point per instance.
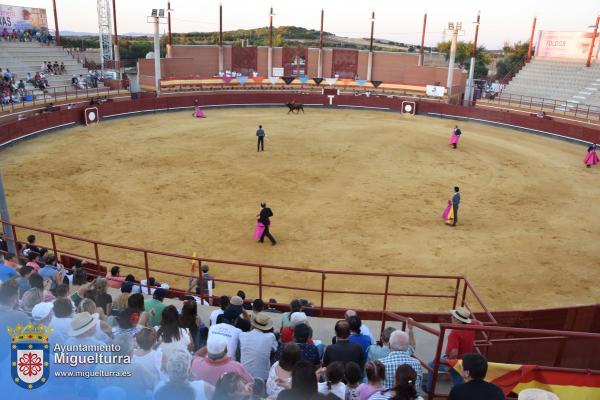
(513, 56)
(463, 56)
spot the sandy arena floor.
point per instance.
(350, 190)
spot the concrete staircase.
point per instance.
(22, 58)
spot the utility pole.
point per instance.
(370, 60)
(170, 42)
(589, 59)
(270, 54)
(531, 39)
(116, 38)
(422, 51)
(221, 38)
(320, 64)
(470, 82)
(56, 32)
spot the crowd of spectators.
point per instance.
(27, 35)
(238, 353)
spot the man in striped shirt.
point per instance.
(401, 353)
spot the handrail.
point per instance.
(99, 260)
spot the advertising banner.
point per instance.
(13, 17)
(568, 45)
(437, 91)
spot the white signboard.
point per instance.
(436, 91)
(277, 71)
(13, 17)
(569, 45)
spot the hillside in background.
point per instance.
(132, 47)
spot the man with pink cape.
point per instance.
(262, 225)
(455, 136)
(448, 214)
(591, 158)
(198, 113)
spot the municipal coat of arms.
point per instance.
(30, 355)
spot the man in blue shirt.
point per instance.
(260, 134)
(356, 337)
(49, 270)
(6, 272)
(455, 203)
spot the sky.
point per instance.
(501, 21)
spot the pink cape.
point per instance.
(258, 230)
(591, 158)
(448, 214)
(454, 138)
(199, 113)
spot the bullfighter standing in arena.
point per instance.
(264, 219)
(455, 136)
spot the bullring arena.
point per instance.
(352, 190)
(126, 193)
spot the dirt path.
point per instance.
(351, 190)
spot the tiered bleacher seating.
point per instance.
(24, 57)
(553, 79)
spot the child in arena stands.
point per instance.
(375, 371)
(353, 378)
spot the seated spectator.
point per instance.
(400, 354)
(334, 376)
(31, 246)
(309, 351)
(257, 306)
(364, 329)
(146, 286)
(212, 362)
(375, 372)
(42, 313)
(83, 330)
(223, 304)
(170, 335)
(353, 375)
(404, 386)
(280, 374)
(343, 350)
(23, 280)
(32, 260)
(136, 302)
(189, 320)
(145, 354)
(295, 306)
(127, 322)
(50, 270)
(304, 383)
(356, 337)
(56, 68)
(62, 67)
(155, 306)
(79, 285)
(115, 280)
(120, 302)
(103, 331)
(242, 295)
(9, 259)
(536, 394)
(232, 386)
(227, 329)
(6, 272)
(287, 333)
(61, 320)
(257, 346)
(271, 306)
(39, 292)
(9, 298)
(459, 342)
(179, 385)
(474, 368)
(103, 300)
(376, 352)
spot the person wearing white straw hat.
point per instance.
(537, 394)
(459, 342)
(257, 346)
(83, 329)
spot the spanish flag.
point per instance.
(515, 378)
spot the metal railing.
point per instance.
(538, 104)
(261, 278)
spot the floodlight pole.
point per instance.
(370, 60)
(6, 218)
(589, 59)
(470, 82)
(156, 57)
(531, 39)
(170, 42)
(451, 61)
(422, 51)
(56, 32)
(221, 38)
(320, 64)
(270, 54)
(116, 38)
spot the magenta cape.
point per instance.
(199, 113)
(591, 158)
(258, 230)
(454, 138)
(448, 214)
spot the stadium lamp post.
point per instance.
(6, 218)
(589, 59)
(320, 64)
(421, 50)
(531, 39)
(155, 17)
(370, 60)
(270, 54)
(170, 42)
(470, 82)
(453, 28)
(220, 37)
(56, 32)
(116, 38)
